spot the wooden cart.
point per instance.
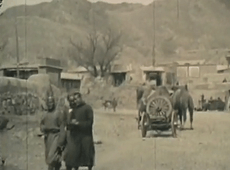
(159, 116)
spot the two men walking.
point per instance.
(74, 143)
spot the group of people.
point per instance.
(210, 104)
(19, 104)
(68, 133)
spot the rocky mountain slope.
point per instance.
(45, 29)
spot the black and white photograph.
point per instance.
(114, 84)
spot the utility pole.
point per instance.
(178, 10)
(154, 34)
(17, 48)
(178, 27)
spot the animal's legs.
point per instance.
(138, 119)
(185, 116)
(176, 116)
(114, 109)
(180, 117)
(191, 118)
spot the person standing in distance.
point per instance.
(80, 150)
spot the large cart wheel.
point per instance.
(174, 124)
(144, 124)
(159, 106)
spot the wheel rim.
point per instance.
(159, 107)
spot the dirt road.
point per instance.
(206, 147)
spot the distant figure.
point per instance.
(210, 100)
(227, 100)
(202, 97)
(88, 91)
(130, 79)
(110, 104)
(225, 80)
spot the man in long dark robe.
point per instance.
(79, 151)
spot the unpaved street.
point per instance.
(206, 147)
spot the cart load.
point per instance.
(159, 113)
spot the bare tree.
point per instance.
(110, 49)
(101, 50)
(85, 55)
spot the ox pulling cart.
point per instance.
(159, 115)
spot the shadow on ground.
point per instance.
(9, 167)
(153, 134)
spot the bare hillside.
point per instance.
(47, 27)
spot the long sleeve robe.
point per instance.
(80, 149)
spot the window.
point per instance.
(194, 72)
(182, 72)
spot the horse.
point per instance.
(110, 104)
(182, 100)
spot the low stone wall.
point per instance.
(25, 96)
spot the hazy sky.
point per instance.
(10, 3)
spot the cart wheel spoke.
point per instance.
(153, 105)
(163, 113)
(160, 103)
(163, 103)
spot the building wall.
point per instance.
(42, 71)
(55, 76)
(226, 71)
(194, 74)
(170, 78)
(217, 77)
(71, 84)
(23, 73)
(145, 76)
(208, 69)
(1, 73)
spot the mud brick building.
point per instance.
(49, 66)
